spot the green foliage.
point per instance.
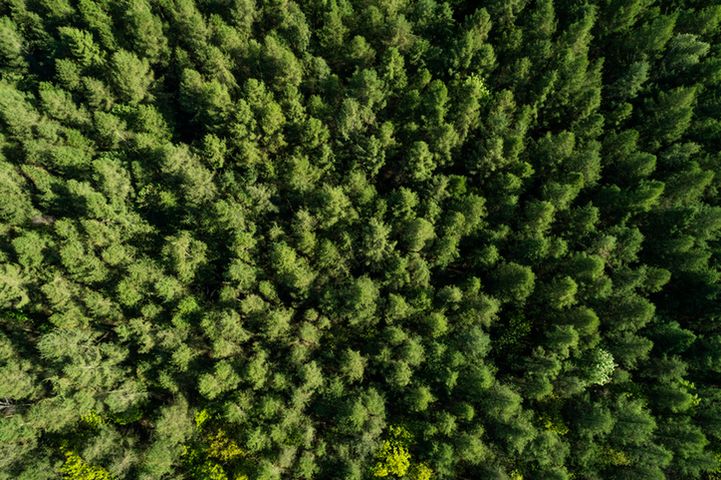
(130, 75)
(394, 459)
(250, 239)
(75, 468)
(515, 282)
(11, 43)
(81, 46)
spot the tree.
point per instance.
(514, 281)
(223, 379)
(668, 116)
(420, 162)
(81, 46)
(145, 30)
(12, 293)
(353, 365)
(130, 76)
(292, 271)
(11, 44)
(207, 101)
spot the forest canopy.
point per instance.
(360, 239)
